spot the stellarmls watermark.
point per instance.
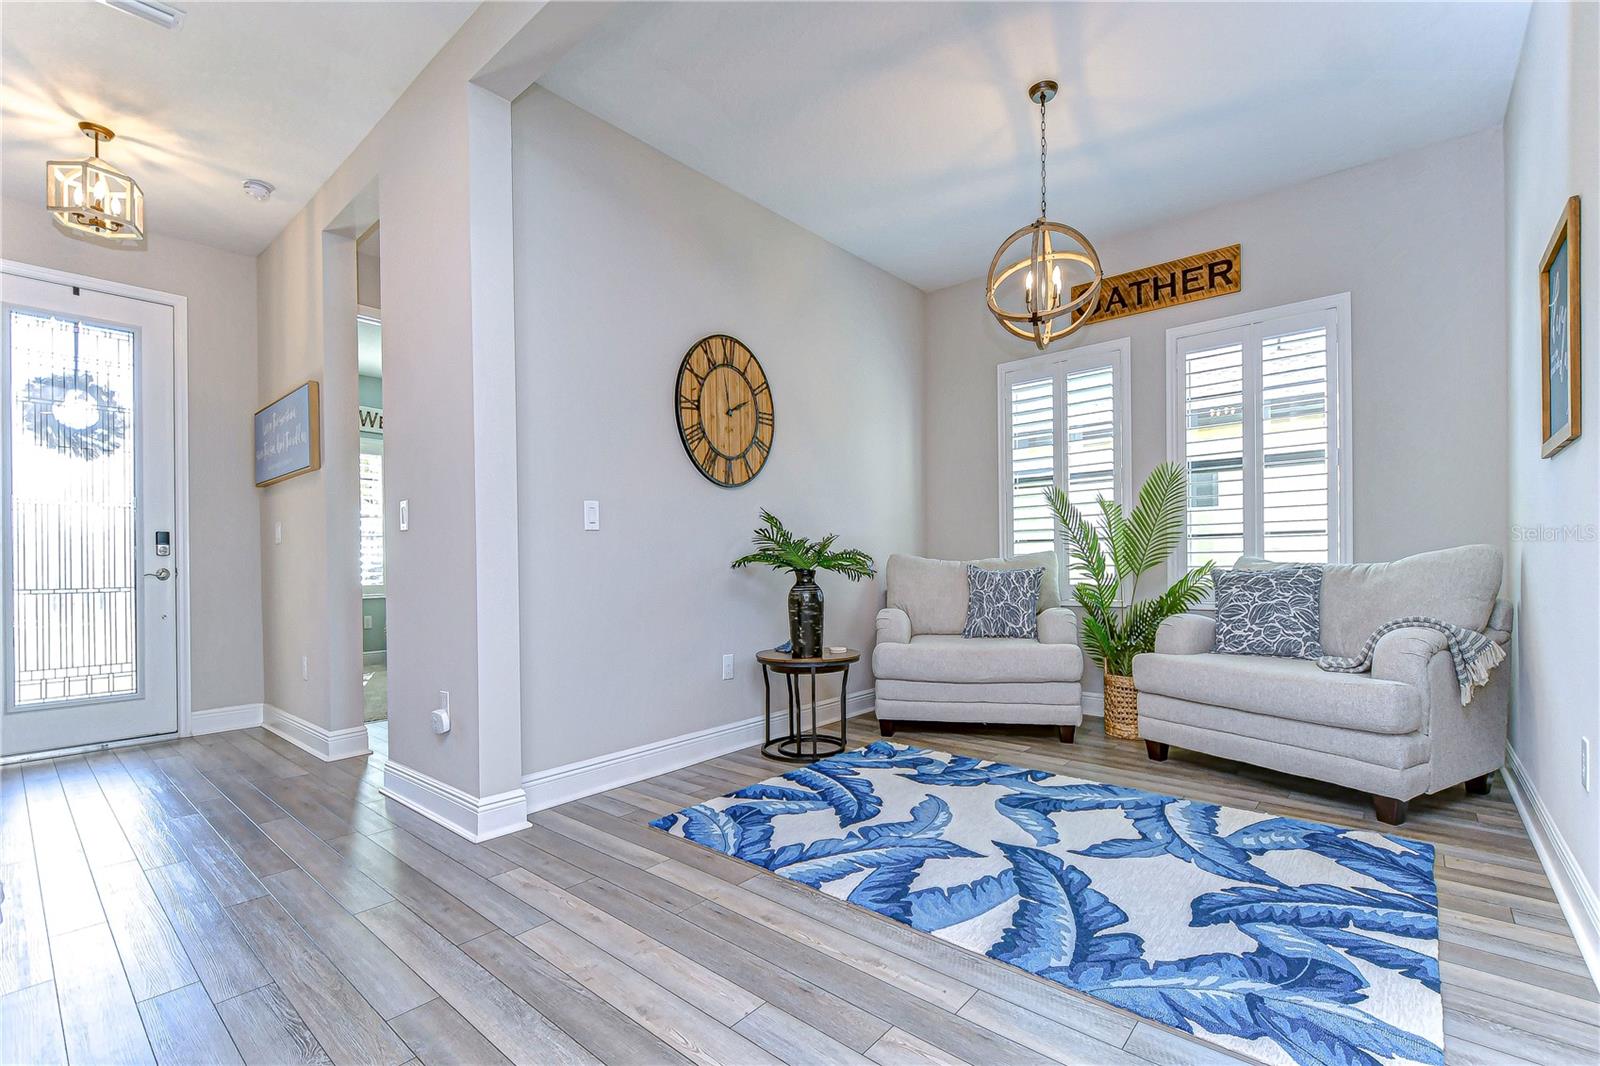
(1539, 533)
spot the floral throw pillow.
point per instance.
(1003, 603)
(1270, 612)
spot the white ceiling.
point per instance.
(278, 91)
(902, 131)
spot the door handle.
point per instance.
(161, 575)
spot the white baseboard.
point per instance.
(329, 745)
(1093, 704)
(478, 818)
(562, 784)
(222, 719)
(1576, 895)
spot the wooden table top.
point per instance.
(781, 659)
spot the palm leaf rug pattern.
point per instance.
(1288, 941)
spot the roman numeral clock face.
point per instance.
(724, 411)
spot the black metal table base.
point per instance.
(800, 744)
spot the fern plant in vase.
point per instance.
(778, 548)
(1108, 563)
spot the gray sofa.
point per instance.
(927, 671)
(1396, 732)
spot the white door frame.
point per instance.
(180, 448)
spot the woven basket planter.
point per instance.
(1122, 708)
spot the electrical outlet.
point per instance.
(305, 668)
(440, 717)
(727, 667)
(591, 514)
(1583, 753)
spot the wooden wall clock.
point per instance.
(724, 410)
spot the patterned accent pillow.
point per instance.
(1270, 612)
(1003, 603)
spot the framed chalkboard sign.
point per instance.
(1560, 336)
(288, 435)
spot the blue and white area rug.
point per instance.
(1285, 940)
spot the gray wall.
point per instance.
(624, 258)
(439, 160)
(1552, 125)
(1416, 241)
(224, 548)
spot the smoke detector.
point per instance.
(257, 189)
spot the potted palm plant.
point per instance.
(1117, 625)
(778, 548)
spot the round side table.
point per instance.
(801, 745)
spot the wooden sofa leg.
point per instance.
(886, 728)
(1389, 811)
(1068, 732)
(1478, 786)
(1156, 750)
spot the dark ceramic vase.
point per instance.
(805, 616)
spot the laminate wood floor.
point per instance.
(230, 899)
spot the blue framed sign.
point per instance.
(288, 436)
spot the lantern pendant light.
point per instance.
(1033, 269)
(92, 196)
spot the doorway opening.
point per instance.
(374, 602)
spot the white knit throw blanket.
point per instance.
(1473, 653)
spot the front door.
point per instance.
(89, 525)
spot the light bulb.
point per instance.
(1055, 283)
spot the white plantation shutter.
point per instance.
(1261, 430)
(1033, 465)
(1061, 417)
(1091, 419)
(371, 523)
(1294, 446)
(1214, 448)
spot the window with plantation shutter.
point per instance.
(1062, 418)
(1260, 423)
(370, 559)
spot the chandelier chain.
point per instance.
(1042, 144)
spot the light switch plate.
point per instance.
(405, 515)
(277, 532)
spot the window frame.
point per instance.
(1056, 366)
(1329, 312)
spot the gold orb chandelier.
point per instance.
(92, 196)
(1046, 273)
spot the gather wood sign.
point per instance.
(1181, 281)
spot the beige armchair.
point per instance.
(928, 672)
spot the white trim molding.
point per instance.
(1576, 895)
(478, 818)
(222, 719)
(562, 784)
(329, 745)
